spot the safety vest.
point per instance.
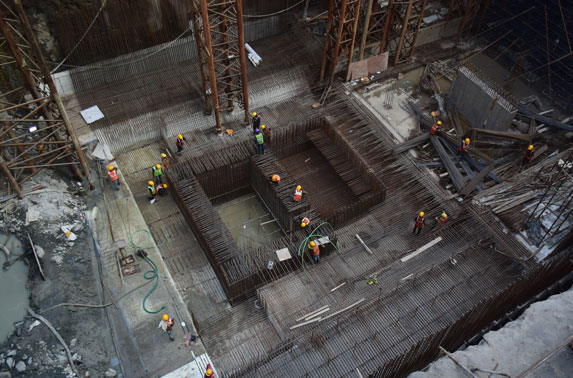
(157, 172)
(434, 129)
(277, 177)
(305, 220)
(297, 195)
(260, 139)
(315, 251)
(151, 190)
(419, 222)
(113, 175)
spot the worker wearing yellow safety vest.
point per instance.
(152, 191)
(260, 142)
(157, 173)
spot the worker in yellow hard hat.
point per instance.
(464, 147)
(180, 142)
(152, 191)
(113, 176)
(442, 219)
(304, 222)
(276, 179)
(529, 154)
(157, 173)
(256, 122)
(315, 251)
(434, 128)
(166, 324)
(266, 133)
(165, 160)
(161, 189)
(209, 373)
(419, 223)
(297, 196)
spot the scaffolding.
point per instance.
(36, 132)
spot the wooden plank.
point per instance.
(470, 186)
(421, 249)
(455, 175)
(411, 143)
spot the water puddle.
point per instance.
(14, 297)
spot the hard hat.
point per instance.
(164, 186)
(298, 187)
(165, 317)
(150, 183)
(209, 372)
(274, 178)
(444, 215)
(263, 126)
(111, 167)
(421, 213)
(158, 166)
(467, 140)
(303, 224)
(530, 147)
(163, 155)
(312, 243)
(439, 122)
(180, 136)
(254, 114)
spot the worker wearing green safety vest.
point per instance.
(157, 173)
(152, 191)
(260, 142)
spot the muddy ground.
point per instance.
(72, 276)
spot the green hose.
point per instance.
(150, 274)
(313, 234)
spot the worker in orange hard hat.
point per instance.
(180, 142)
(166, 324)
(276, 179)
(304, 222)
(464, 147)
(435, 127)
(256, 122)
(529, 154)
(165, 160)
(297, 196)
(419, 223)
(112, 172)
(157, 173)
(315, 251)
(209, 373)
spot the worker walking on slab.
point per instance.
(315, 251)
(165, 160)
(152, 191)
(528, 157)
(209, 373)
(260, 142)
(276, 179)
(161, 189)
(166, 324)
(419, 223)
(256, 122)
(298, 193)
(304, 222)
(464, 147)
(157, 173)
(266, 133)
(113, 176)
(435, 127)
(442, 219)
(180, 142)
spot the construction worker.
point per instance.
(419, 223)
(266, 133)
(260, 142)
(464, 147)
(161, 189)
(434, 128)
(112, 172)
(152, 191)
(528, 157)
(276, 179)
(435, 115)
(166, 324)
(372, 280)
(315, 251)
(304, 222)
(157, 173)
(165, 160)
(180, 142)
(442, 218)
(256, 121)
(209, 373)
(297, 196)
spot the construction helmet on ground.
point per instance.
(439, 122)
(530, 147)
(312, 243)
(298, 187)
(303, 224)
(421, 213)
(165, 317)
(164, 186)
(150, 183)
(180, 136)
(254, 114)
(263, 126)
(163, 155)
(444, 215)
(111, 167)
(467, 140)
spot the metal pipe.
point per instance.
(239, 5)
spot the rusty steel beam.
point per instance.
(203, 62)
(343, 16)
(408, 18)
(373, 27)
(220, 34)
